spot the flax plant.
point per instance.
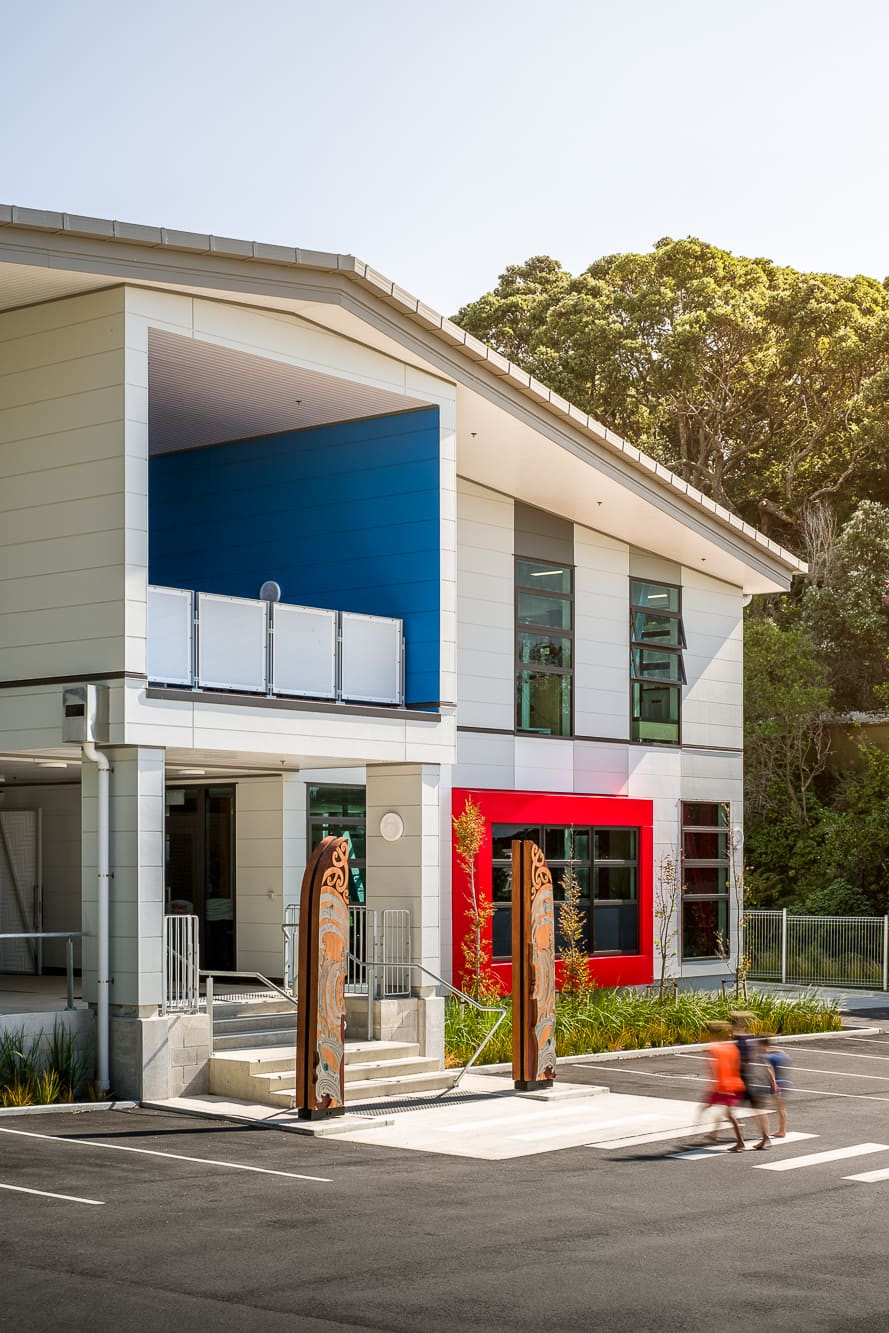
(469, 834)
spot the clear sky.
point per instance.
(442, 141)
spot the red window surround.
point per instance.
(532, 807)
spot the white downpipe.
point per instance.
(103, 969)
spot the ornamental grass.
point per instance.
(40, 1070)
(627, 1019)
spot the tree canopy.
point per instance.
(764, 387)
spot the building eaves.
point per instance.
(477, 352)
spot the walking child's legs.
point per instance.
(733, 1119)
(781, 1111)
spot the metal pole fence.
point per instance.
(818, 950)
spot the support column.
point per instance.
(405, 872)
(136, 910)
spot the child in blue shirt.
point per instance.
(777, 1063)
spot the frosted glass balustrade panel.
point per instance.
(303, 651)
(232, 643)
(371, 659)
(170, 625)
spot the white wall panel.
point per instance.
(543, 763)
(259, 874)
(600, 770)
(485, 608)
(712, 710)
(62, 497)
(485, 761)
(601, 676)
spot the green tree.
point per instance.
(847, 616)
(766, 388)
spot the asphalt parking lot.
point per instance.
(165, 1221)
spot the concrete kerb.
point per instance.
(53, 1108)
(644, 1052)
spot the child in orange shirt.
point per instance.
(726, 1086)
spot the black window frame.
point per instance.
(523, 669)
(344, 823)
(639, 681)
(591, 862)
(722, 826)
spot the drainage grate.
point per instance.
(421, 1101)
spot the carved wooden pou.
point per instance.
(533, 969)
(321, 982)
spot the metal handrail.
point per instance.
(464, 999)
(209, 973)
(70, 936)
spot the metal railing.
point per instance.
(208, 641)
(210, 976)
(476, 1004)
(181, 965)
(69, 936)
(817, 950)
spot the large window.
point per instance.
(544, 647)
(342, 812)
(657, 673)
(605, 863)
(706, 875)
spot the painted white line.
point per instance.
(714, 1149)
(45, 1194)
(805, 1069)
(850, 1055)
(174, 1156)
(648, 1073)
(869, 1176)
(582, 1127)
(816, 1158)
(870, 1041)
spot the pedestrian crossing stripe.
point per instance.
(702, 1151)
(817, 1158)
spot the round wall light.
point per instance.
(391, 826)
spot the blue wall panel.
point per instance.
(343, 516)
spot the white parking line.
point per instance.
(45, 1194)
(816, 1158)
(869, 1176)
(850, 1055)
(806, 1069)
(175, 1156)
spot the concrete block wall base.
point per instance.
(416, 1018)
(159, 1055)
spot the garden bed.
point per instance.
(44, 1070)
(626, 1020)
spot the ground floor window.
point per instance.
(604, 862)
(341, 812)
(706, 876)
(199, 866)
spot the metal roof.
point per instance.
(429, 320)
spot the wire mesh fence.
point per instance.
(818, 950)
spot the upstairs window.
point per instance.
(657, 672)
(544, 647)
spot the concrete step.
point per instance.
(228, 1009)
(241, 1041)
(265, 1073)
(372, 1090)
(253, 1022)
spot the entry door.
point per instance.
(19, 888)
(200, 867)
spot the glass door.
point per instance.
(200, 866)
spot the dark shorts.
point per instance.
(756, 1097)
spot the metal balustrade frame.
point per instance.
(356, 643)
(850, 951)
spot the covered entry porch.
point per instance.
(220, 839)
